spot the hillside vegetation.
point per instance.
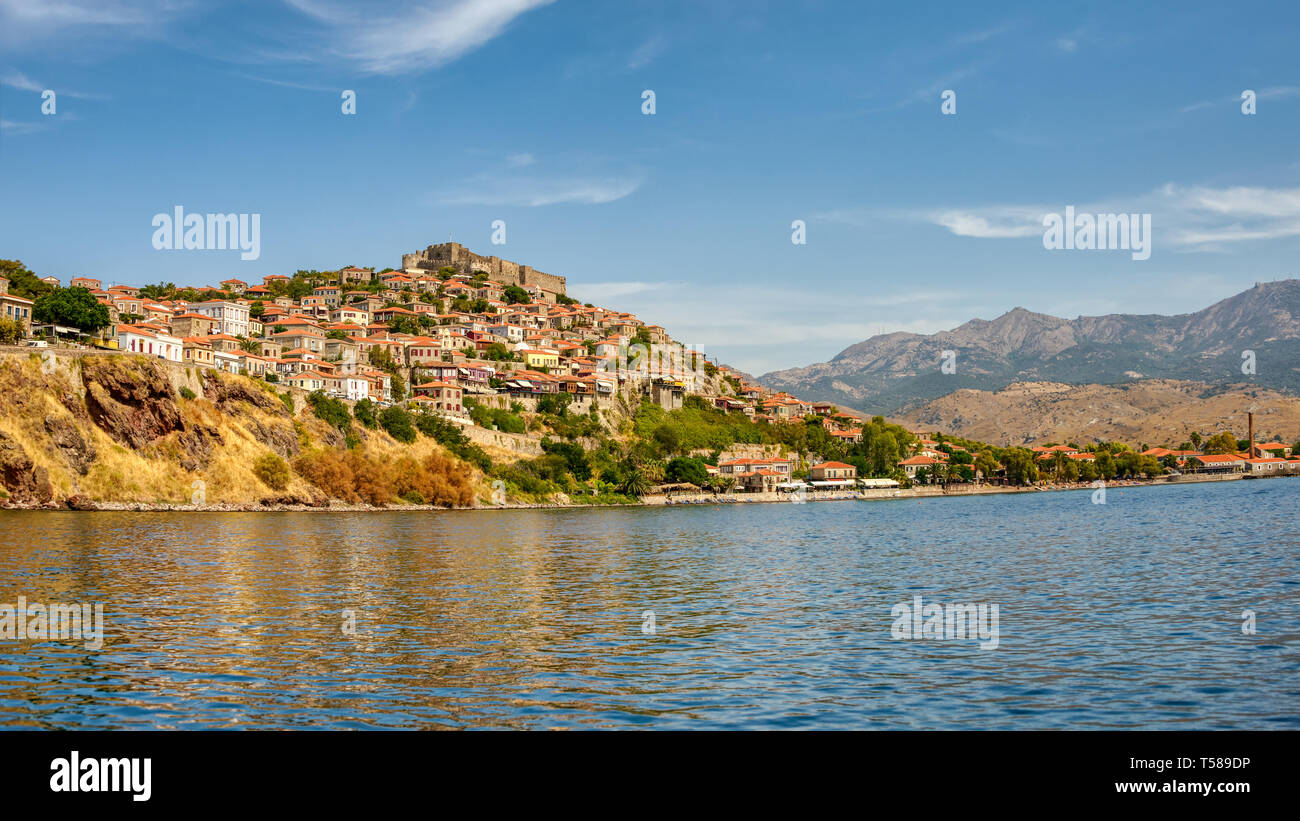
(77, 431)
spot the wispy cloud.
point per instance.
(1192, 218)
(522, 180)
(534, 191)
(984, 35)
(1277, 92)
(287, 83)
(646, 53)
(798, 325)
(26, 23)
(930, 92)
(1069, 43)
(22, 82)
(407, 37)
(1268, 93)
(14, 128)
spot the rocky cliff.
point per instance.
(80, 431)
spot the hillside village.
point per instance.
(480, 342)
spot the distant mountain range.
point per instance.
(1151, 411)
(892, 373)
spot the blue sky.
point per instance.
(471, 111)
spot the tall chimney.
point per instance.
(1250, 423)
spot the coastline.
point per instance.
(657, 500)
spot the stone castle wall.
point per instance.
(465, 261)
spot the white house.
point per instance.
(133, 339)
(349, 386)
(232, 316)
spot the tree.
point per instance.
(71, 306)
(1019, 463)
(398, 423)
(634, 483)
(668, 439)
(23, 282)
(159, 290)
(403, 325)
(986, 464)
(1221, 443)
(575, 458)
(687, 469)
(11, 330)
(1105, 463)
(883, 451)
(1149, 466)
(1196, 440)
(517, 296)
(1059, 461)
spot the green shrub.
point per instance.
(272, 471)
(364, 411)
(450, 436)
(186, 393)
(502, 419)
(333, 411)
(398, 423)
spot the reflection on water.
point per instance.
(1122, 615)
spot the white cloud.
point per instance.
(520, 180)
(533, 191)
(986, 34)
(14, 128)
(408, 36)
(24, 23)
(22, 82)
(996, 223)
(1198, 218)
(646, 53)
(287, 83)
(1234, 100)
(1275, 93)
(761, 328)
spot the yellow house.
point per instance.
(198, 351)
(540, 359)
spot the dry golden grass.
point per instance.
(378, 471)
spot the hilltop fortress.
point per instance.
(465, 261)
